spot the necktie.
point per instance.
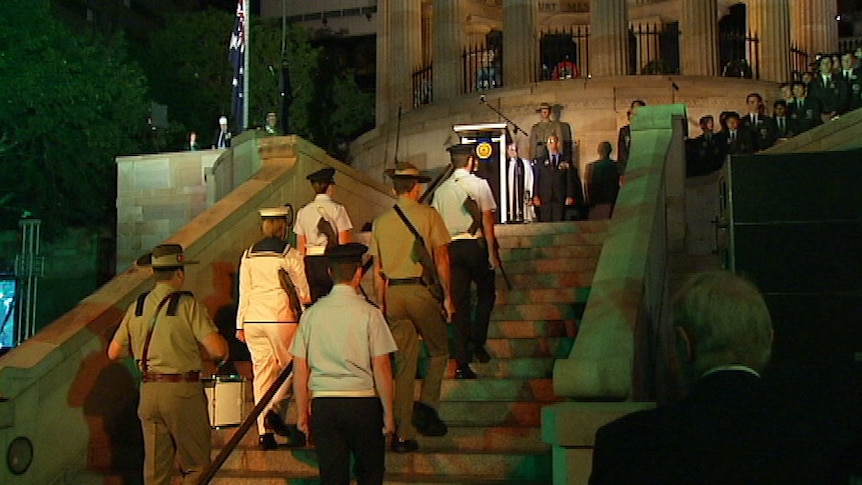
(220, 140)
(732, 136)
(556, 161)
(781, 125)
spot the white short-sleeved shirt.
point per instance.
(449, 200)
(307, 218)
(338, 336)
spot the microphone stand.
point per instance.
(501, 115)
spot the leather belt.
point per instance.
(192, 376)
(405, 281)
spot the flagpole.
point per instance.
(245, 75)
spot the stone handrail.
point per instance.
(59, 390)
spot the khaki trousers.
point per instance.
(412, 311)
(175, 425)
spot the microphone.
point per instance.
(674, 86)
(482, 98)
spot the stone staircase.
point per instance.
(494, 421)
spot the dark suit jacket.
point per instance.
(555, 183)
(806, 112)
(763, 131)
(832, 97)
(788, 129)
(704, 155)
(854, 89)
(624, 144)
(730, 429)
(215, 139)
(744, 142)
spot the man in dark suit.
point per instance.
(852, 75)
(732, 427)
(785, 126)
(804, 110)
(558, 184)
(221, 138)
(704, 154)
(830, 89)
(760, 125)
(736, 139)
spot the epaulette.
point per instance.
(172, 303)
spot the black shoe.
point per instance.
(404, 446)
(267, 442)
(296, 438)
(465, 372)
(427, 421)
(482, 355)
(274, 422)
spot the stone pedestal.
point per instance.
(609, 46)
(519, 42)
(769, 21)
(699, 42)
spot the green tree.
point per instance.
(69, 104)
(189, 72)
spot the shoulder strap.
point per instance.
(171, 296)
(408, 224)
(139, 307)
(175, 301)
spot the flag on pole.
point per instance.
(237, 58)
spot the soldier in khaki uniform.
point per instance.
(410, 307)
(162, 331)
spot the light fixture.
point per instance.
(19, 456)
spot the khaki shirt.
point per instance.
(392, 241)
(174, 347)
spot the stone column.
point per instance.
(381, 108)
(399, 53)
(769, 20)
(699, 43)
(448, 43)
(520, 45)
(813, 26)
(609, 46)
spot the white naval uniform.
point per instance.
(265, 315)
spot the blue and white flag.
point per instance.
(237, 58)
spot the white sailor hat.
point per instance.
(273, 212)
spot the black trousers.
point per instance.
(344, 425)
(469, 264)
(317, 275)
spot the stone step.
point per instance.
(542, 311)
(551, 240)
(533, 266)
(512, 437)
(550, 347)
(267, 478)
(491, 390)
(552, 252)
(535, 281)
(527, 368)
(303, 462)
(544, 228)
(541, 295)
(531, 328)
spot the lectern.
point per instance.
(490, 140)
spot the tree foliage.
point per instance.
(69, 104)
(188, 68)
